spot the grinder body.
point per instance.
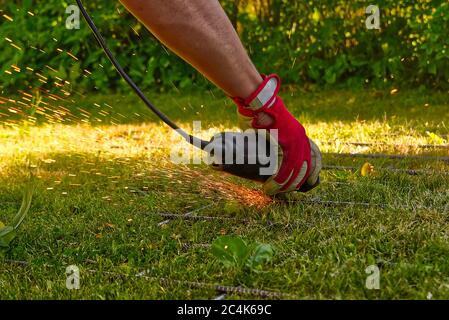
(251, 154)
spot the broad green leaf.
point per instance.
(263, 253)
(234, 252)
(231, 251)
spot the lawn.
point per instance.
(108, 200)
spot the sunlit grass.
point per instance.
(100, 187)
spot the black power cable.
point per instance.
(191, 139)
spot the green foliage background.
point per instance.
(314, 42)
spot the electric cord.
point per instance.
(199, 143)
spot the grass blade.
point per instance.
(24, 208)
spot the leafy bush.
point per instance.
(49, 49)
(320, 42)
(327, 42)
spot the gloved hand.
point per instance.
(299, 162)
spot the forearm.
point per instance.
(200, 32)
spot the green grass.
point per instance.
(100, 187)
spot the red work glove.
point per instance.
(299, 163)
